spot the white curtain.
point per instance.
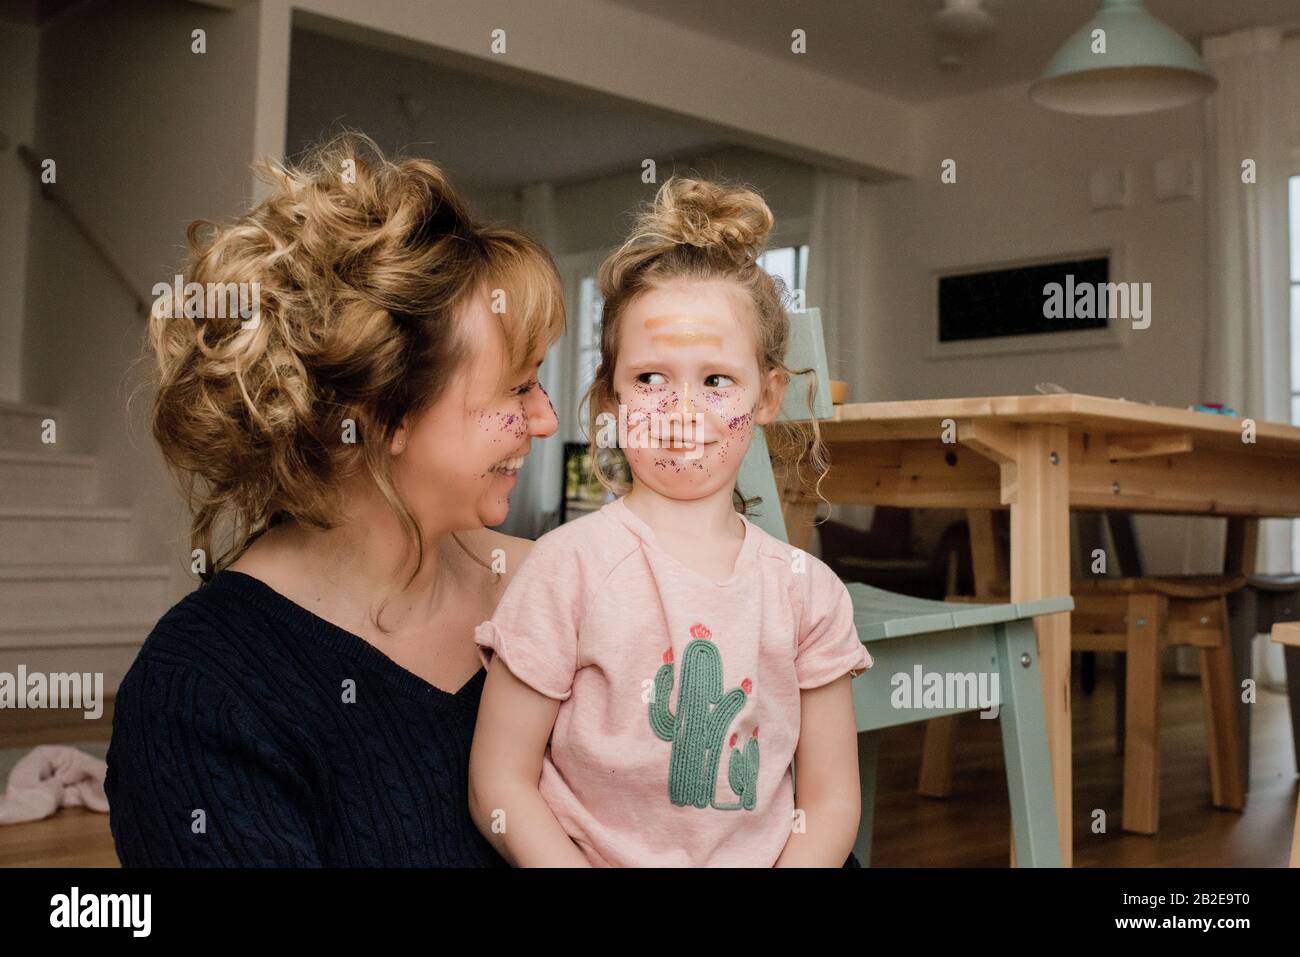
(840, 253)
(1247, 261)
(535, 501)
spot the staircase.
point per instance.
(71, 597)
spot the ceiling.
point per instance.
(490, 135)
(888, 46)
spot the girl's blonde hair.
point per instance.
(362, 264)
(697, 229)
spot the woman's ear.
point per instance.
(773, 395)
(398, 443)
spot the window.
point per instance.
(789, 264)
(590, 304)
(1294, 224)
(1295, 299)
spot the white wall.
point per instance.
(18, 49)
(596, 214)
(147, 137)
(1022, 192)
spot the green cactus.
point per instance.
(704, 713)
(742, 775)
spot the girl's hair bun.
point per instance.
(729, 221)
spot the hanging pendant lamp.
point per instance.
(1123, 62)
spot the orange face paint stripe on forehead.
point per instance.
(688, 337)
(658, 322)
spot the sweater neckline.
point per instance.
(288, 612)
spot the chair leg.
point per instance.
(1024, 748)
(1121, 694)
(935, 779)
(1244, 623)
(1295, 838)
(1218, 682)
(1146, 620)
(868, 750)
(1292, 657)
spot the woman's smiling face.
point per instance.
(457, 461)
(688, 369)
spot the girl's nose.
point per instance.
(686, 405)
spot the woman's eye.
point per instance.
(526, 388)
(713, 383)
(649, 377)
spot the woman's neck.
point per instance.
(345, 572)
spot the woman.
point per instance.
(313, 702)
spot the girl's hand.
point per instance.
(505, 765)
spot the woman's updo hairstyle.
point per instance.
(361, 264)
(697, 229)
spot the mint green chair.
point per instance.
(947, 638)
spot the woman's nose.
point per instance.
(542, 420)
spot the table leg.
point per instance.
(797, 509)
(1239, 555)
(799, 517)
(1040, 568)
(988, 562)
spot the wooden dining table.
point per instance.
(1041, 456)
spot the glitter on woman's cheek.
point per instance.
(502, 427)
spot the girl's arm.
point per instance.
(827, 787)
(505, 766)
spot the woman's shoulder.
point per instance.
(213, 635)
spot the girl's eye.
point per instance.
(526, 388)
(726, 381)
(646, 378)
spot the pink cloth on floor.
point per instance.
(50, 777)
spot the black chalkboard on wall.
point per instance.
(1010, 302)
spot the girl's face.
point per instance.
(457, 461)
(687, 369)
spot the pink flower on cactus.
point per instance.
(700, 631)
(756, 731)
(668, 657)
(733, 739)
(747, 686)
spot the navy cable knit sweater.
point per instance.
(235, 743)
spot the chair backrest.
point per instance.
(806, 350)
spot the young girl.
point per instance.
(677, 657)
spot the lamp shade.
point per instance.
(1135, 65)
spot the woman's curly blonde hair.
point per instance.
(698, 229)
(362, 263)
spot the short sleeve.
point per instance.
(828, 640)
(534, 629)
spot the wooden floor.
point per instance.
(968, 829)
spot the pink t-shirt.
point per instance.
(680, 695)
